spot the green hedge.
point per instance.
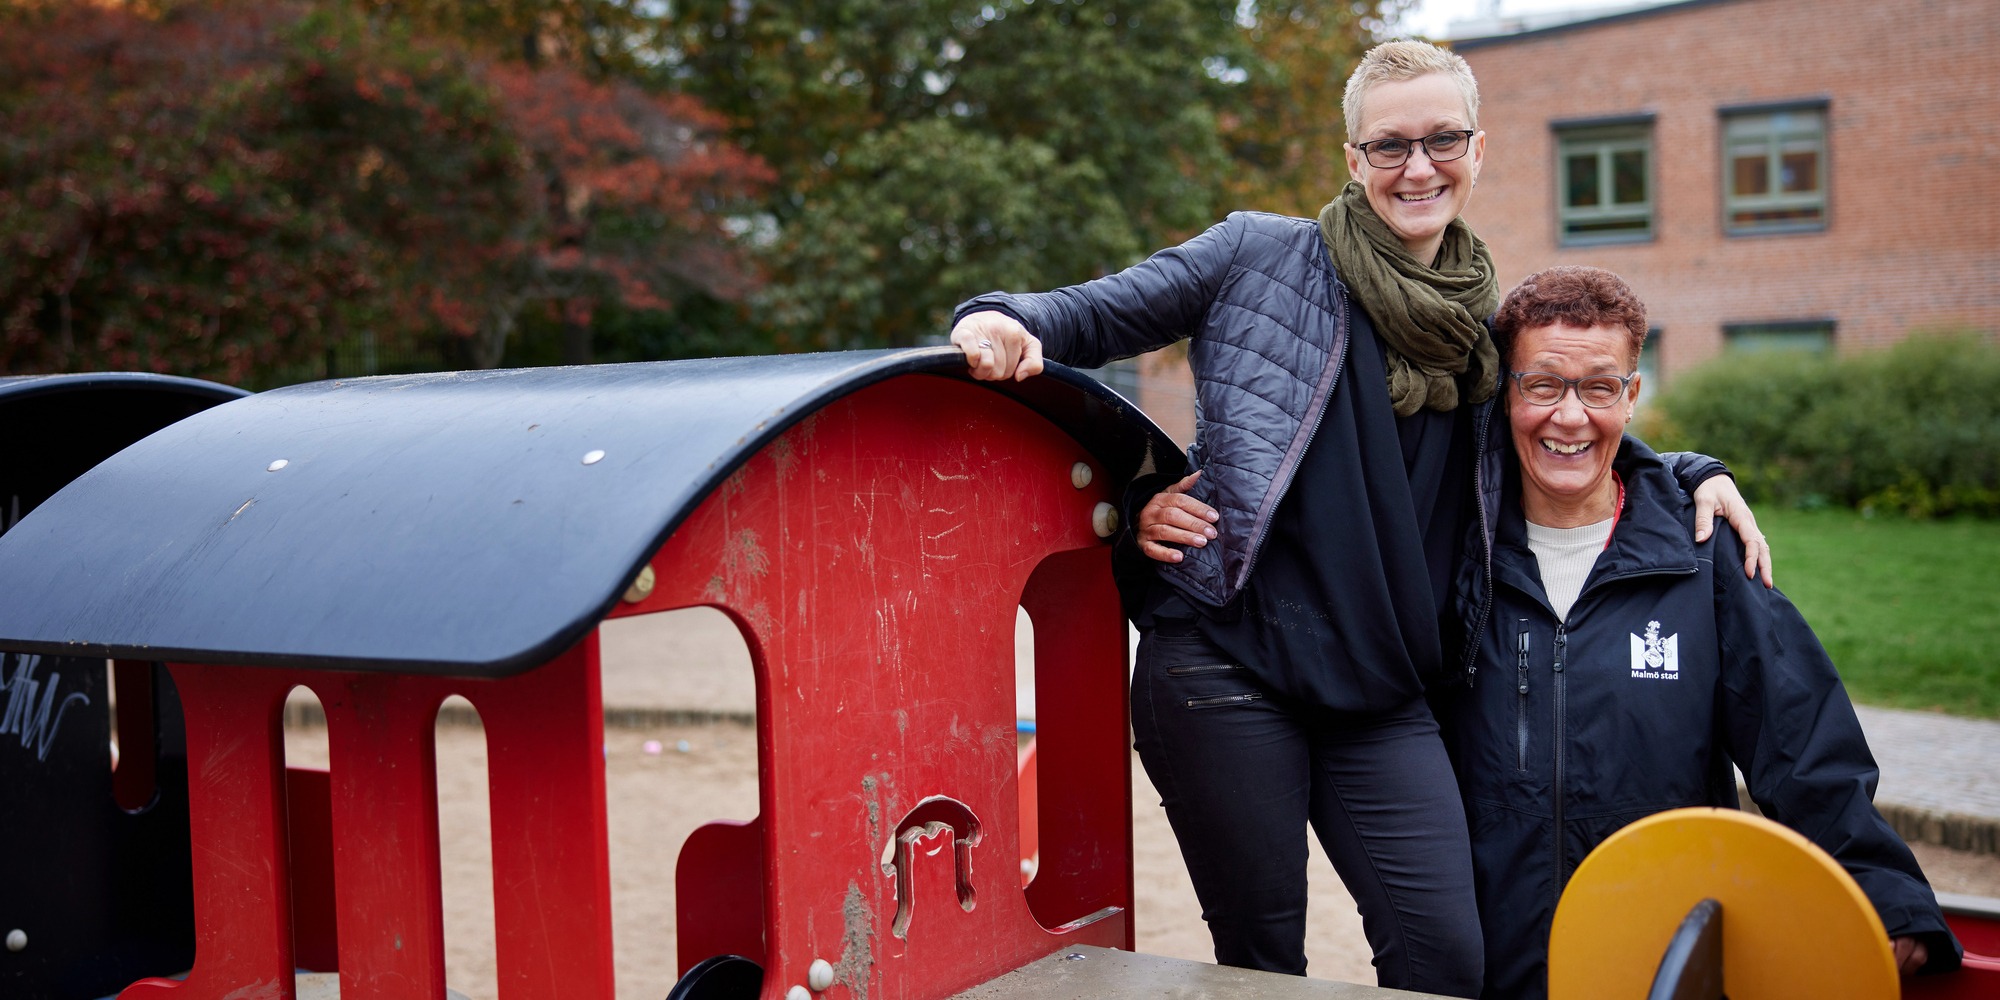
(1914, 429)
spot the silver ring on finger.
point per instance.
(985, 345)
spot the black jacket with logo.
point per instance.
(1670, 666)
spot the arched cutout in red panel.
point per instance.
(681, 781)
(465, 856)
(1025, 761)
(1082, 743)
(309, 832)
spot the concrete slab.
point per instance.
(1087, 973)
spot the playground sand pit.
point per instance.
(663, 779)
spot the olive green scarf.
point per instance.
(1433, 319)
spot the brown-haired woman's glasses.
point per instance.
(1594, 391)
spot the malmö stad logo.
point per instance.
(1655, 658)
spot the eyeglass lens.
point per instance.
(1439, 146)
(1544, 389)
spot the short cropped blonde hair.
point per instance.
(1406, 59)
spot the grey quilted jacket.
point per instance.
(1267, 324)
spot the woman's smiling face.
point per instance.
(1566, 448)
(1419, 198)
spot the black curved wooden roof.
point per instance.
(438, 523)
(54, 428)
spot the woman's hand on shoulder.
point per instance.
(997, 347)
(1174, 518)
(1720, 495)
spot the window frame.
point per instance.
(1602, 138)
(1732, 332)
(1652, 373)
(1732, 131)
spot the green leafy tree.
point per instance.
(929, 149)
(1286, 131)
(603, 39)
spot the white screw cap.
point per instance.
(820, 975)
(1104, 520)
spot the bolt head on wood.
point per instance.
(642, 585)
(1080, 475)
(1104, 520)
(820, 975)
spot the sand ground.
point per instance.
(657, 799)
(699, 772)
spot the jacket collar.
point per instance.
(1654, 534)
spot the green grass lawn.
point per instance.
(1910, 610)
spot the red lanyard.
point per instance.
(1616, 478)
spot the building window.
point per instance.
(1812, 335)
(1606, 180)
(1774, 170)
(1649, 361)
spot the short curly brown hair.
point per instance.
(1570, 295)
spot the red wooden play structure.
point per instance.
(870, 526)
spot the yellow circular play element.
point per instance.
(1794, 924)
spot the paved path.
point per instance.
(1940, 774)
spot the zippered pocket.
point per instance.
(1198, 669)
(1222, 700)
(1521, 699)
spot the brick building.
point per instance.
(1813, 173)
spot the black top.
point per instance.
(1342, 608)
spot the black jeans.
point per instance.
(1241, 771)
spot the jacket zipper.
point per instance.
(1559, 741)
(1218, 700)
(1339, 361)
(1521, 700)
(1562, 643)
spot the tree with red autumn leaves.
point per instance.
(625, 181)
(224, 189)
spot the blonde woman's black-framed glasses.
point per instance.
(1441, 147)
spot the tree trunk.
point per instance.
(575, 341)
